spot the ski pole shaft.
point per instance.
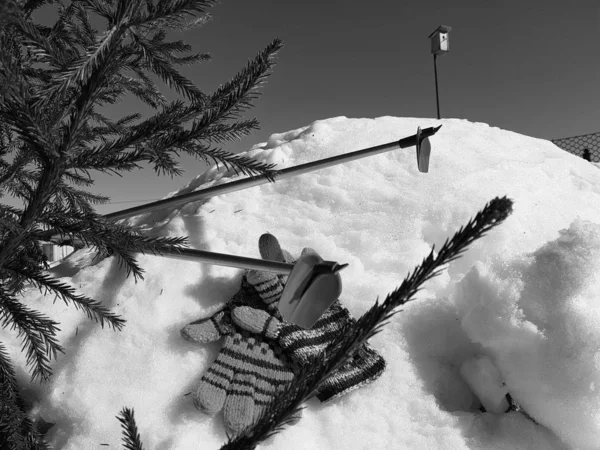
(261, 179)
(222, 259)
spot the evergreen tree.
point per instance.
(51, 125)
(53, 84)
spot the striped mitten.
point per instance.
(304, 345)
(247, 373)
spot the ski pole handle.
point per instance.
(411, 141)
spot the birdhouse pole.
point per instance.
(437, 95)
(439, 44)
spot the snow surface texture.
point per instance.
(525, 295)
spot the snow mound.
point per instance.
(525, 296)
(539, 316)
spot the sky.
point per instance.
(527, 67)
(517, 312)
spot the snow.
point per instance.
(524, 297)
(486, 382)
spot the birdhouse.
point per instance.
(439, 40)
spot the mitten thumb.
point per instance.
(256, 321)
(208, 330)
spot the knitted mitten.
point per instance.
(248, 371)
(304, 345)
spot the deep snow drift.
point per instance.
(526, 296)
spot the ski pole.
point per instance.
(261, 179)
(312, 286)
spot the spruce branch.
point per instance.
(244, 164)
(169, 49)
(306, 383)
(90, 89)
(163, 162)
(184, 26)
(161, 67)
(145, 89)
(21, 190)
(123, 122)
(132, 439)
(79, 72)
(56, 216)
(17, 431)
(229, 100)
(25, 124)
(221, 132)
(9, 216)
(107, 161)
(171, 13)
(245, 84)
(102, 8)
(38, 333)
(190, 59)
(171, 115)
(224, 106)
(88, 33)
(63, 31)
(77, 200)
(109, 126)
(9, 226)
(16, 168)
(109, 238)
(127, 244)
(10, 77)
(17, 113)
(79, 180)
(93, 309)
(8, 378)
(32, 37)
(15, 177)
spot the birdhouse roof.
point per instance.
(441, 29)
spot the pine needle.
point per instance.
(131, 440)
